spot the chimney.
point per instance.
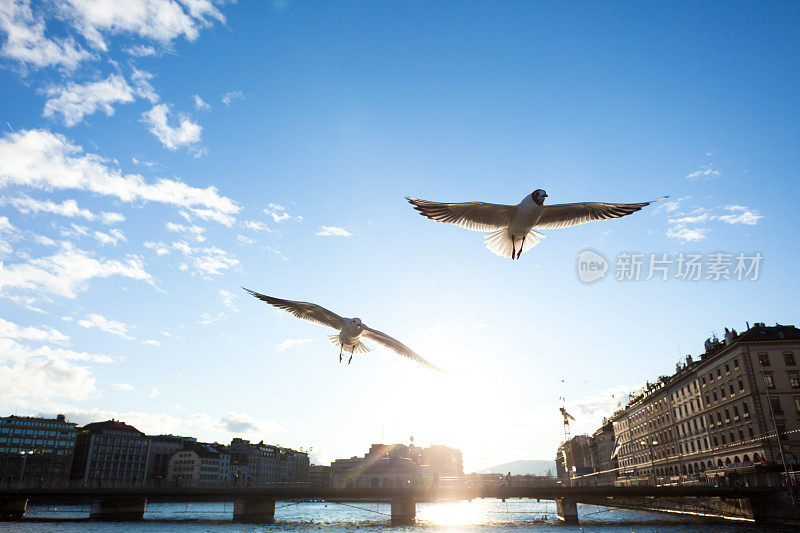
(688, 360)
(61, 418)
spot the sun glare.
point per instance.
(451, 514)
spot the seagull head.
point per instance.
(538, 196)
(357, 324)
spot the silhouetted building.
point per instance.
(319, 476)
(36, 450)
(161, 449)
(263, 464)
(110, 453)
(574, 460)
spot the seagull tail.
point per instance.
(360, 346)
(499, 242)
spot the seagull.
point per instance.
(350, 329)
(514, 227)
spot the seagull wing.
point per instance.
(476, 216)
(304, 310)
(566, 215)
(396, 346)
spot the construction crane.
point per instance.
(567, 418)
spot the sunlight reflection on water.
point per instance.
(478, 515)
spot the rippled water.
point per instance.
(478, 515)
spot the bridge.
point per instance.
(257, 505)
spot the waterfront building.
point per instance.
(601, 448)
(199, 465)
(398, 465)
(161, 449)
(574, 460)
(110, 453)
(263, 464)
(36, 451)
(732, 413)
(319, 476)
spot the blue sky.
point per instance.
(156, 156)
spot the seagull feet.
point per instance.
(350, 360)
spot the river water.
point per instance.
(475, 516)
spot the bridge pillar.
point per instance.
(567, 510)
(12, 510)
(254, 511)
(404, 511)
(118, 509)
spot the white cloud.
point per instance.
(333, 231)
(186, 134)
(67, 208)
(154, 393)
(199, 103)
(206, 319)
(245, 240)
(123, 386)
(113, 237)
(256, 225)
(194, 231)
(26, 41)
(100, 322)
(66, 272)
(227, 298)
(73, 101)
(140, 50)
(291, 343)
(6, 226)
(209, 261)
(740, 215)
(705, 172)
(112, 218)
(158, 20)
(277, 212)
(11, 330)
(45, 160)
(231, 96)
(142, 86)
(160, 247)
(151, 342)
(682, 233)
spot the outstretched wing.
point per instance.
(476, 216)
(566, 215)
(396, 346)
(304, 310)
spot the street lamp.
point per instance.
(24, 454)
(650, 444)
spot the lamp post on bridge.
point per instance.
(24, 454)
(650, 445)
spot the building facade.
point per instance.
(199, 465)
(36, 451)
(110, 453)
(732, 412)
(161, 449)
(257, 465)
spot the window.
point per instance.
(741, 433)
(730, 387)
(722, 438)
(745, 409)
(714, 440)
(797, 404)
(736, 363)
(741, 385)
(714, 395)
(703, 380)
(794, 380)
(719, 373)
(727, 368)
(788, 359)
(769, 380)
(776, 406)
(763, 358)
(736, 411)
(781, 426)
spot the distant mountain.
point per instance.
(537, 467)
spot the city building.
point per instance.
(264, 464)
(319, 476)
(574, 460)
(733, 413)
(110, 453)
(604, 460)
(36, 451)
(199, 465)
(398, 465)
(161, 449)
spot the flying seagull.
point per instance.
(350, 329)
(513, 228)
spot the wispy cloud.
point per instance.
(278, 213)
(199, 103)
(227, 298)
(704, 172)
(291, 343)
(122, 386)
(10, 330)
(73, 101)
(45, 160)
(154, 393)
(93, 320)
(695, 225)
(232, 96)
(333, 231)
